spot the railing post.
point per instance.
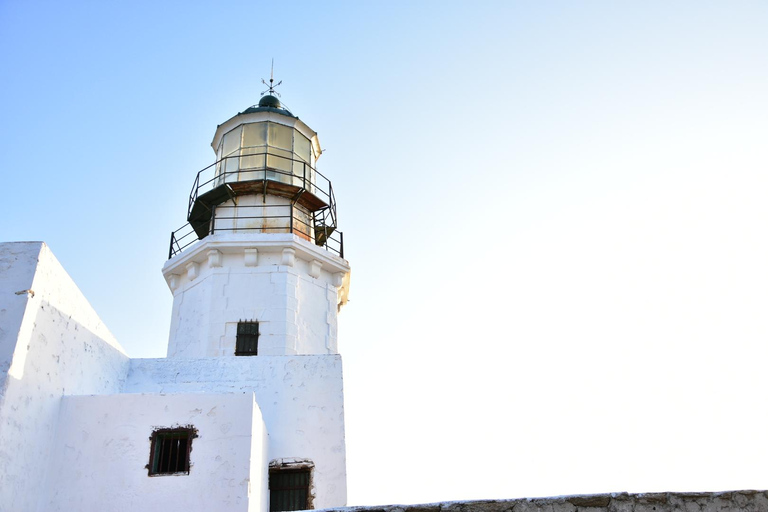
(170, 248)
(341, 241)
(291, 221)
(213, 219)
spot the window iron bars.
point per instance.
(288, 490)
(169, 453)
(247, 343)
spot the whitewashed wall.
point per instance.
(52, 343)
(291, 287)
(300, 397)
(103, 444)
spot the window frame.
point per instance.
(252, 338)
(159, 437)
(285, 466)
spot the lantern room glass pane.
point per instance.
(253, 158)
(231, 167)
(299, 170)
(302, 175)
(280, 136)
(301, 146)
(254, 134)
(281, 160)
(232, 141)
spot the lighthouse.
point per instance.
(246, 412)
(258, 277)
(261, 256)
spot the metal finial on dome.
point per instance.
(271, 83)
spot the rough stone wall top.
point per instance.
(730, 501)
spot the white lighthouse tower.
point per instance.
(258, 278)
(269, 261)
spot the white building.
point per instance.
(246, 412)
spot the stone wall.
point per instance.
(731, 501)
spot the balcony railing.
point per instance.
(240, 168)
(207, 212)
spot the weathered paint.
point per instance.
(100, 456)
(256, 214)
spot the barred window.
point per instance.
(289, 490)
(247, 339)
(169, 454)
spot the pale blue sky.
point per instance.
(555, 213)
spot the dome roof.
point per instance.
(268, 103)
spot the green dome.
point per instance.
(269, 101)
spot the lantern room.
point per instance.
(280, 144)
(264, 180)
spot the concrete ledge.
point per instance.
(742, 501)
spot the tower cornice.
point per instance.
(237, 243)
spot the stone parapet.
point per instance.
(730, 501)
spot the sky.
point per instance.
(554, 211)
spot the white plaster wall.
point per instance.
(18, 261)
(259, 490)
(291, 287)
(103, 444)
(58, 346)
(300, 398)
(316, 316)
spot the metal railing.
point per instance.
(237, 168)
(181, 239)
(241, 219)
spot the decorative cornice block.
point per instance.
(251, 257)
(214, 258)
(289, 257)
(193, 270)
